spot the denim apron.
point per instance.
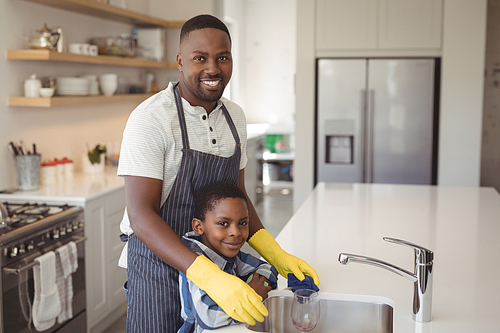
(153, 286)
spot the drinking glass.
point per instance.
(305, 310)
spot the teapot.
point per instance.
(46, 38)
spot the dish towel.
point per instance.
(46, 303)
(66, 264)
(296, 284)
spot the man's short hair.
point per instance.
(209, 196)
(202, 22)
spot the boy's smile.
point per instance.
(225, 228)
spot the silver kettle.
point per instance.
(45, 39)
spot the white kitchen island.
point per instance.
(460, 224)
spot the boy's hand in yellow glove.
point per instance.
(285, 263)
(233, 295)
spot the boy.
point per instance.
(220, 228)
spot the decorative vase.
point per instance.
(95, 168)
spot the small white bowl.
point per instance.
(109, 76)
(46, 92)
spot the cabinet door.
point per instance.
(410, 24)
(95, 263)
(346, 24)
(116, 275)
(104, 278)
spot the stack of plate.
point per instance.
(94, 84)
(73, 86)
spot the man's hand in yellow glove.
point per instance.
(235, 297)
(285, 263)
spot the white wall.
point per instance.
(234, 17)
(268, 61)
(304, 98)
(64, 131)
(461, 95)
(461, 109)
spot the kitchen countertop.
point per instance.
(460, 224)
(82, 188)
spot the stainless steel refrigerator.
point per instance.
(376, 120)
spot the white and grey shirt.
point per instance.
(152, 141)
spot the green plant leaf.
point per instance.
(95, 154)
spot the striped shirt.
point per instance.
(199, 311)
(152, 140)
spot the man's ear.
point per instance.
(178, 60)
(197, 226)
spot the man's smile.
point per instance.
(211, 83)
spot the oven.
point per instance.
(25, 237)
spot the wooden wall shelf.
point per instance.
(45, 102)
(100, 59)
(103, 10)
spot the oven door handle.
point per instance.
(34, 263)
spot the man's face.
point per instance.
(206, 66)
(225, 229)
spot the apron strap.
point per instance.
(182, 120)
(231, 125)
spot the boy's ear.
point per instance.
(197, 226)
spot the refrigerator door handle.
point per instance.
(369, 136)
(363, 136)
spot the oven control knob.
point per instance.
(63, 231)
(30, 246)
(55, 234)
(13, 252)
(22, 248)
(69, 228)
(80, 224)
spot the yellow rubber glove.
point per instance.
(285, 263)
(233, 295)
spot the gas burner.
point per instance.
(21, 214)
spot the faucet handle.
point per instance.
(423, 256)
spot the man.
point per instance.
(176, 142)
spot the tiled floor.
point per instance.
(274, 211)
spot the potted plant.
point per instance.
(93, 161)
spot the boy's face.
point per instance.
(206, 66)
(225, 228)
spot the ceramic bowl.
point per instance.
(46, 92)
(108, 88)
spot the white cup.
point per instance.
(85, 48)
(93, 50)
(75, 48)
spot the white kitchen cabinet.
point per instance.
(345, 24)
(106, 299)
(378, 24)
(410, 24)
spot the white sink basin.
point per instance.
(339, 313)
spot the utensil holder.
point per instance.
(28, 171)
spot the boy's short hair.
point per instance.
(202, 22)
(209, 196)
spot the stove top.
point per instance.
(22, 214)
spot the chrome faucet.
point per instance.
(421, 278)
